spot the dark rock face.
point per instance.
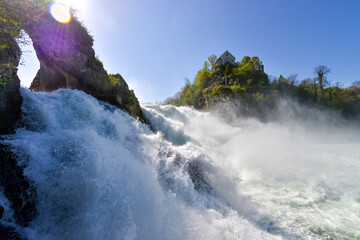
(10, 98)
(63, 51)
(9, 233)
(16, 188)
(1, 211)
(67, 60)
(197, 176)
(14, 185)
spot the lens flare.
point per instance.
(60, 12)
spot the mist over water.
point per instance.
(300, 168)
(101, 174)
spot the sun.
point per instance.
(60, 9)
(60, 12)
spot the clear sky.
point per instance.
(155, 44)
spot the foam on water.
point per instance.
(304, 175)
(101, 174)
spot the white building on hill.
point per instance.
(226, 57)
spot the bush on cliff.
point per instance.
(218, 90)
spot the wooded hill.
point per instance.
(247, 80)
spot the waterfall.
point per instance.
(99, 173)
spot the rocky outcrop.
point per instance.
(16, 188)
(10, 98)
(67, 60)
(13, 184)
(212, 101)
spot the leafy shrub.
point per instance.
(237, 89)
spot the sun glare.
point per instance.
(60, 12)
(76, 4)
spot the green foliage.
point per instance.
(10, 25)
(249, 73)
(218, 90)
(206, 66)
(212, 60)
(237, 89)
(15, 14)
(117, 79)
(211, 80)
(6, 71)
(191, 94)
(308, 91)
(321, 72)
(221, 90)
(94, 63)
(247, 80)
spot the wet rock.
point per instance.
(197, 177)
(16, 187)
(1, 211)
(9, 233)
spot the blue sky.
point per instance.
(155, 44)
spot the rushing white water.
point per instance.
(101, 174)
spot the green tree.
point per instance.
(282, 80)
(321, 72)
(212, 60)
(206, 66)
(257, 63)
(315, 89)
(245, 60)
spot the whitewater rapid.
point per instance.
(101, 174)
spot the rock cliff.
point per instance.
(10, 98)
(67, 60)
(13, 184)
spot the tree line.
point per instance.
(248, 78)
